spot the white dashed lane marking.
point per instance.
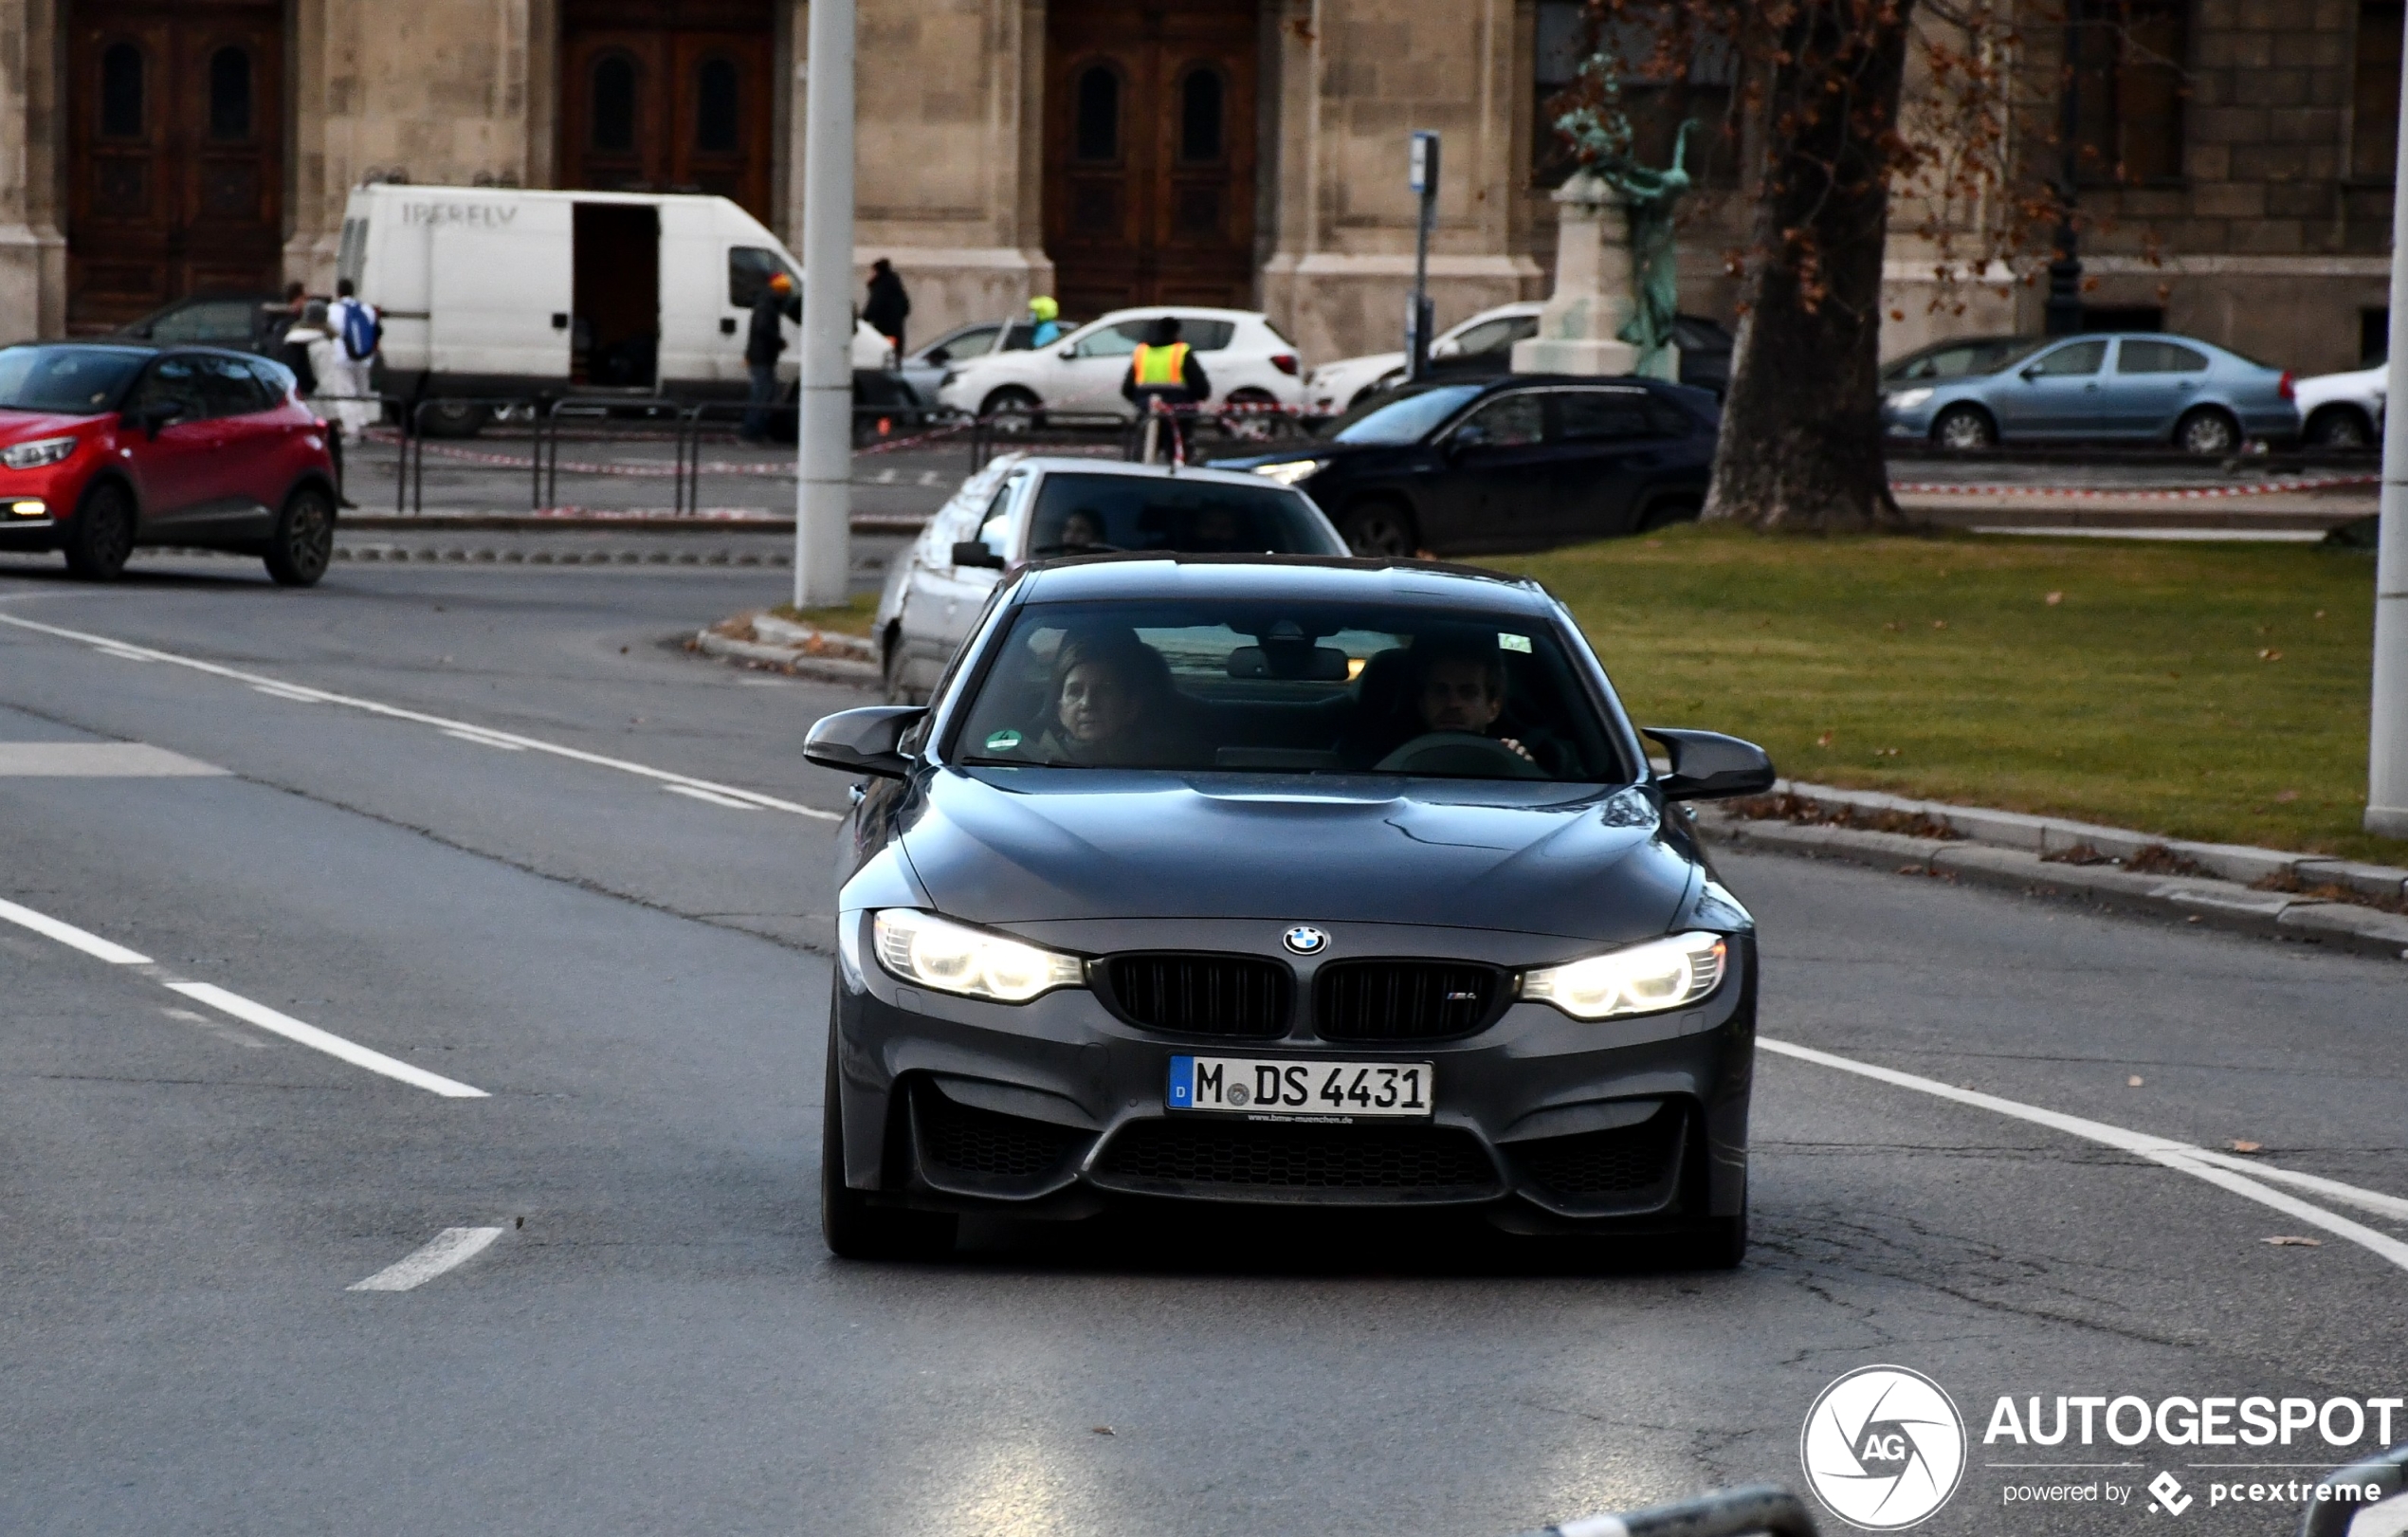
(487, 735)
(451, 1248)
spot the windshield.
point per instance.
(78, 380)
(1097, 514)
(1406, 418)
(1286, 687)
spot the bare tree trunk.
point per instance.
(1801, 446)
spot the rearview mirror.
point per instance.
(864, 740)
(1708, 765)
(973, 553)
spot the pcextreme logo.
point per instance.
(1883, 1448)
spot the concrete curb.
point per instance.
(2004, 849)
(791, 659)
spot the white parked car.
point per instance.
(1022, 508)
(1241, 353)
(2344, 411)
(1335, 387)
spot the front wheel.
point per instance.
(1251, 416)
(2207, 430)
(1965, 426)
(101, 540)
(848, 1224)
(1012, 412)
(302, 541)
(454, 419)
(1378, 529)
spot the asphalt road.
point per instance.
(489, 824)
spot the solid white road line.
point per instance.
(394, 713)
(67, 934)
(2196, 1161)
(451, 1247)
(711, 795)
(310, 1035)
(483, 741)
(98, 761)
(280, 692)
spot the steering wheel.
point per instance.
(1463, 753)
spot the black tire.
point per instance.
(1255, 420)
(2341, 427)
(452, 418)
(848, 1224)
(1665, 511)
(1011, 410)
(1719, 1243)
(101, 539)
(1379, 530)
(2207, 430)
(1965, 426)
(302, 541)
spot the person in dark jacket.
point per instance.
(764, 341)
(1165, 370)
(888, 305)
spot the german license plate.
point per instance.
(1288, 1089)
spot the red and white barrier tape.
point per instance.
(2093, 493)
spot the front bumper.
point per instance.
(1055, 1108)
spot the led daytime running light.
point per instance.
(1288, 471)
(930, 951)
(1670, 973)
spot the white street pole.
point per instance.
(824, 474)
(2387, 747)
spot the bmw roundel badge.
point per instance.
(1306, 939)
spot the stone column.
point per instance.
(1594, 296)
(33, 252)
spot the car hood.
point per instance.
(1004, 846)
(16, 426)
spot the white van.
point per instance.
(501, 291)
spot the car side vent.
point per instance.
(1404, 1000)
(1200, 994)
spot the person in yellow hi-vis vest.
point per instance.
(1165, 369)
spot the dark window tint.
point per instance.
(1201, 116)
(1208, 335)
(614, 103)
(173, 388)
(121, 91)
(2159, 357)
(2081, 358)
(748, 268)
(1098, 127)
(213, 321)
(1603, 415)
(715, 106)
(1508, 421)
(230, 389)
(229, 94)
(64, 378)
(1087, 513)
(275, 380)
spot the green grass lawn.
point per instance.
(2212, 691)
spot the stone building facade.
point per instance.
(1245, 151)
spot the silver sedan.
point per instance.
(2138, 386)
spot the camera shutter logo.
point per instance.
(1884, 1448)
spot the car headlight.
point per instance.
(1288, 471)
(954, 958)
(1909, 399)
(36, 454)
(1669, 973)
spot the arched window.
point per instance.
(121, 91)
(715, 106)
(1200, 114)
(229, 94)
(614, 103)
(1098, 135)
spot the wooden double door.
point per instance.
(1150, 152)
(668, 96)
(175, 153)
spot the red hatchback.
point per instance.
(105, 446)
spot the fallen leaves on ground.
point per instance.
(2292, 1240)
(2133, 1082)
(2242, 1144)
(2054, 600)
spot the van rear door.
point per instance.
(501, 285)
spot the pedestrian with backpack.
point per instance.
(358, 331)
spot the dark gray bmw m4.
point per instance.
(1291, 882)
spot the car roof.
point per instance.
(1300, 578)
(136, 346)
(1067, 464)
(1207, 311)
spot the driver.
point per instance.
(1083, 529)
(1111, 703)
(1461, 686)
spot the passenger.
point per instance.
(1111, 704)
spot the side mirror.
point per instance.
(148, 420)
(1471, 436)
(973, 553)
(864, 740)
(938, 357)
(1708, 765)
(2031, 374)
(1067, 354)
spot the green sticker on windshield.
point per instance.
(1003, 742)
